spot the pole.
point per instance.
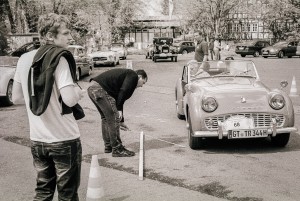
(141, 159)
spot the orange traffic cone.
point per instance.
(95, 191)
(293, 91)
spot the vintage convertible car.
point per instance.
(7, 71)
(105, 57)
(229, 101)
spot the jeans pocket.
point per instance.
(62, 157)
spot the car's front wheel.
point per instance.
(7, 100)
(184, 52)
(194, 142)
(280, 54)
(243, 55)
(256, 54)
(280, 140)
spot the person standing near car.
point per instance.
(201, 51)
(217, 49)
(54, 133)
(109, 91)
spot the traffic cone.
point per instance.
(293, 91)
(95, 191)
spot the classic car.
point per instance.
(164, 49)
(232, 103)
(120, 49)
(149, 51)
(105, 57)
(84, 65)
(251, 48)
(185, 47)
(7, 71)
(281, 49)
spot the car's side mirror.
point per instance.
(284, 84)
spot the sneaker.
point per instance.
(120, 151)
(107, 149)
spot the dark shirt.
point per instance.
(118, 83)
(211, 45)
(200, 51)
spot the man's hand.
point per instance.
(124, 127)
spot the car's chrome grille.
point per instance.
(99, 58)
(260, 119)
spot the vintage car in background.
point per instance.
(104, 56)
(164, 49)
(149, 51)
(7, 72)
(120, 49)
(281, 49)
(84, 65)
(231, 102)
(185, 47)
(251, 48)
(25, 48)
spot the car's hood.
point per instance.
(235, 93)
(101, 54)
(274, 48)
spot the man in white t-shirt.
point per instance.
(55, 137)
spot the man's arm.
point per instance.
(17, 93)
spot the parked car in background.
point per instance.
(281, 49)
(251, 48)
(8, 66)
(26, 48)
(120, 49)
(164, 49)
(104, 56)
(149, 51)
(185, 47)
(229, 101)
(84, 65)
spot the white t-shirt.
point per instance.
(51, 126)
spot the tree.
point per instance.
(208, 17)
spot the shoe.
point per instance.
(107, 149)
(120, 151)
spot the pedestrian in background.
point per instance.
(217, 49)
(108, 92)
(211, 48)
(201, 50)
(43, 77)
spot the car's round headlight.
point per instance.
(209, 104)
(277, 101)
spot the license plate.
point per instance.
(163, 55)
(253, 133)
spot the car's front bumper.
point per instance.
(269, 54)
(220, 133)
(165, 55)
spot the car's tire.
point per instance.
(90, 70)
(118, 63)
(113, 64)
(78, 74)
(125, 57)
(280, 140)
(184, 51)
(7, 100)
(280, 54)
(175, 59)
(256, 54)
(289, 56)
(194, 142)
(154, 59)
(265, 57)
(243, 55)
(172, 58)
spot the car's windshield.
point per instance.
(233, 68)
(247, 43)
(280, 44)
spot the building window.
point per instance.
(248, 27)
(243, 28)
(236, 27)
(255, 27)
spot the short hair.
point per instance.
(51, 23)
(142, 73)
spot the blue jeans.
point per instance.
(58, 165)
(106, 105)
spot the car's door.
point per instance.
(291, 49)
